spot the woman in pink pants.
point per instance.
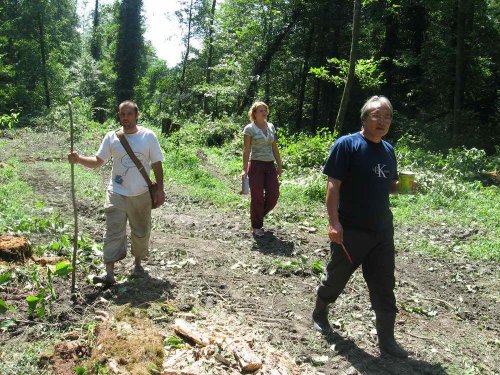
(260, 153)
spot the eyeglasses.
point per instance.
(380, 118)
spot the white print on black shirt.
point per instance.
(380, 171)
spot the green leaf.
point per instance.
(80, 370)
(5, 324)
(63, 268)
(32, 302)
(317, 266)
(174, 342)
(3, 306)
(5, 278)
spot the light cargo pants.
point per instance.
(120, 209)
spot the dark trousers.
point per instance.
(264, 190)
(374, 251)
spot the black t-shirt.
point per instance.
(366, 170)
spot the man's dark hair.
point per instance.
(131, 103)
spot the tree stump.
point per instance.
(14, 248)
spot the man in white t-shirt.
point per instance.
(128, 197)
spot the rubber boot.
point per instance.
(385, 331)
(320, 317)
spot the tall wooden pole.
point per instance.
(73, 197)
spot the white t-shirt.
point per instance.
(125, 177)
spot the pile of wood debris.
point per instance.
(222, 345)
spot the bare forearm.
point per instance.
(394, 187)
(246, 157)
(88, 161)
(276, 154)
(158, 171)
(332, 200)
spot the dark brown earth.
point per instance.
(204, 261)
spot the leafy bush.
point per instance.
(444, 176)
(58, 116)
(202, 130)
(302, 150)
(9, 121)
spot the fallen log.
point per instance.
(247, 359)
(185, 329)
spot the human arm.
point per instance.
(335, 230)
(279, 164)
(393, 189)
(157, 167)
(87, 161)
(247, 146)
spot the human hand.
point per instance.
(73, 157)
(336, 233)
(244, 174)
(159, 197)
(279, 170)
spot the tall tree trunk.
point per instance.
(188, 48)
(95, 43)
(388, 51)
(303, 80)
(417, 23)
(352, 65)
(129, 48)
(458, 97)
(208, 76)
(43, 53)
(263, 63)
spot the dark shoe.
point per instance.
(385, 331)
(104, 279)
(320, 317)
(138, 271)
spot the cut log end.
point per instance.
(14, 249)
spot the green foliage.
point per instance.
(300, 266)
(203, 131)
(450, 175)
(22, 357)
(302, 150)
(9, 121)
(367, 71)
(5, 278)
(173, 342)
(3, 306)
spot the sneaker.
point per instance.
(259, 232)
(104, 279)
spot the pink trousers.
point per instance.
(264, 190)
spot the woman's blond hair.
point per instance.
(253, 109)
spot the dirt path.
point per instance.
(206, 260)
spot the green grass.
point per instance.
(183, 169)
(17, 200)
(22, 358)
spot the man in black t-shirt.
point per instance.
(362, 172)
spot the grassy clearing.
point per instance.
(452, 214)
(18, 203)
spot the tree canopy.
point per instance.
(434, 60)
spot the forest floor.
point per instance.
(205, 267)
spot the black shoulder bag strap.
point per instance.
(137, 162)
